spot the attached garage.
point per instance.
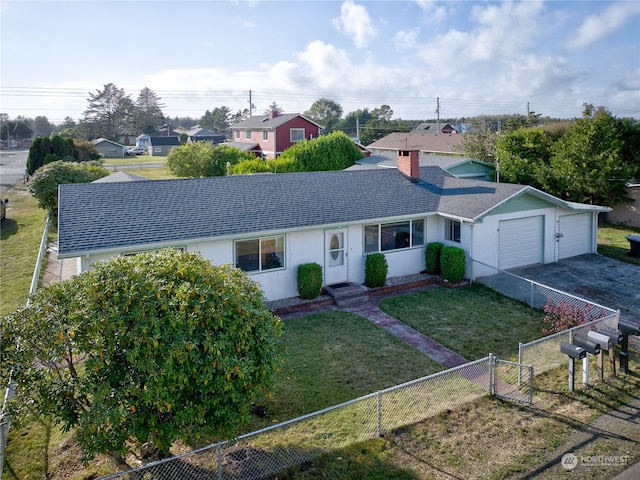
(520, 242)
(574, 235)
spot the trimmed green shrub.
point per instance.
(432, 258)
(309, 278)
(375, 270)
(453, 264)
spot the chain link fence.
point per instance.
(272, 450)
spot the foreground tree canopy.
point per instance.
(45, 182)
(142, 351)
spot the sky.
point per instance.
(469, 57)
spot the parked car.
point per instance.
(134, 151)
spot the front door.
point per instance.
(335, 257)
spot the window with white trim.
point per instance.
(296, 134)
(384, 237)
(247, 134)
(452, 230)
(265, 135)
(237, 133)
(260, 254)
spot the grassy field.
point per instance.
(612, 242)
(19, 243)
(134, 160)
(473, 321)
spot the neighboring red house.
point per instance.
(268, 136)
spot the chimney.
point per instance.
(273, 114)
(409, 164)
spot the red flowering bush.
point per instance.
(562, 316)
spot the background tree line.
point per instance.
(588, 160)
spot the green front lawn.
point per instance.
(612, 242)
(472, 320)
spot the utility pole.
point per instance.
(358, 128)
(250, 105)
(438, 113)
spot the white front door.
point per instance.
(335, 257)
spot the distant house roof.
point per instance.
(269, 123)
(97, 141)
(120, 177)
(421, 141)
(244, 146)
(164, 141)
(388, 159)
(434, 127)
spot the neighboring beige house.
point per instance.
(627, 213)
(108, 148)
(426, 143)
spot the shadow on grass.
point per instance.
(11, 472)
(9, 227)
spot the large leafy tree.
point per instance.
(239, 116)
(524, 156)
(142, 351)
(85, 151)
(354, 121)
(480, 143)
(335, 151)
(109, 111)
(45, 182)
(203, 159)
(326, 112)
(147, 112)
(15, 129)
(588, 164)
(217, 120)
(42, 127)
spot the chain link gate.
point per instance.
(510, 380)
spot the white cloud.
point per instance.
(597, 27)
(501, 32)
(355, 22)
(434, 10)
(406, 38)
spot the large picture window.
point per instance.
(393, 236)
(452, 230)
(297, 134)
(260, 254)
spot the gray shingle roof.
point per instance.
(121, 215)
(107, 216)
(164, 141)
(264, 122)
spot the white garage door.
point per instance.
(520, 242)
(575, 231)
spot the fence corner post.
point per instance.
(379, 409)
(492, 390)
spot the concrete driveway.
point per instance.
(597, 278)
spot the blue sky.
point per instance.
(478, 58)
